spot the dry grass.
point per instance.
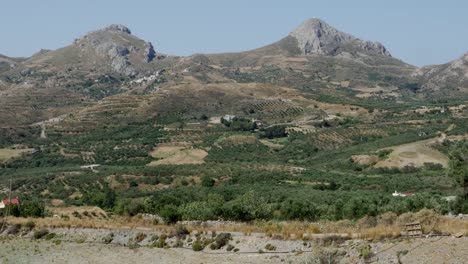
(291, 230)
(178, 155)
(414, 154)
(6, 153)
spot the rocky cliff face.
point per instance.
(314, 36)
(126, 53)
(450, 75)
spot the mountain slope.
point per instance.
(452, 76)
(113, 48)
(314, 36)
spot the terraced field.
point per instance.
(334, 139)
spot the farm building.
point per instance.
(5, 202)
(228, 118)
(399, 194)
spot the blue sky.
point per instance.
(418, 32)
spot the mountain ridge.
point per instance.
(314, 36)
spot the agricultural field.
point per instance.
(184, 167)
(11, 153)
(107, 129)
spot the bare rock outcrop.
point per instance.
(106, 44)
(118, 28)
(314, 36)
(149, 54)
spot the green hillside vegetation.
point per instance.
(272, 133)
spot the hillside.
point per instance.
(317, 126)
(446, 78)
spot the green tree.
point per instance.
(458, 170)
(207, 181)
(247, 207)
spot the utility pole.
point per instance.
(9, 203)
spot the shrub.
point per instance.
(329, 256)
(179, 243)
(229, 247)
(207, 181)
(220, 241)
(80, 240)
(132, 244)
(30, 225)
(49, 236)
(38, 234)
(161, 243)
(76, 214)
(154, 237)
(246, 207)
(367, 222)
(270, 247)
(181, 231)
(198, 246)
(108, 239)
(365, 251)
(139, 237)
(387, 218)
(170, 214)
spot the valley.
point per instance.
(308, 135)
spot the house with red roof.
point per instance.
(5, 202)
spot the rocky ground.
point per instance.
(125, 246)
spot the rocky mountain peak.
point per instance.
(118, 28)
(116, 44)
(314, 36)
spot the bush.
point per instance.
(198, 246)
(139, 237)
(387, 218)
(161, 243)
(229, 247)
(30, 225)
(49, 236)
(108, 239)
(207, 181)
(367, 222)
(270, 247)
(328, 256)
(365, 251)
(247, 207)
(38, 234)
(220, 241)
(181, 231)
(170, 214)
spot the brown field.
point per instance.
(236, 140)
(414, 154)
(365, 159)
(7, 154)
(172, 154)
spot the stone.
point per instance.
(149, 54)
(118, 28)
(317, 37)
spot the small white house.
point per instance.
(91, 167)
(399, 194)
(228, 118)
